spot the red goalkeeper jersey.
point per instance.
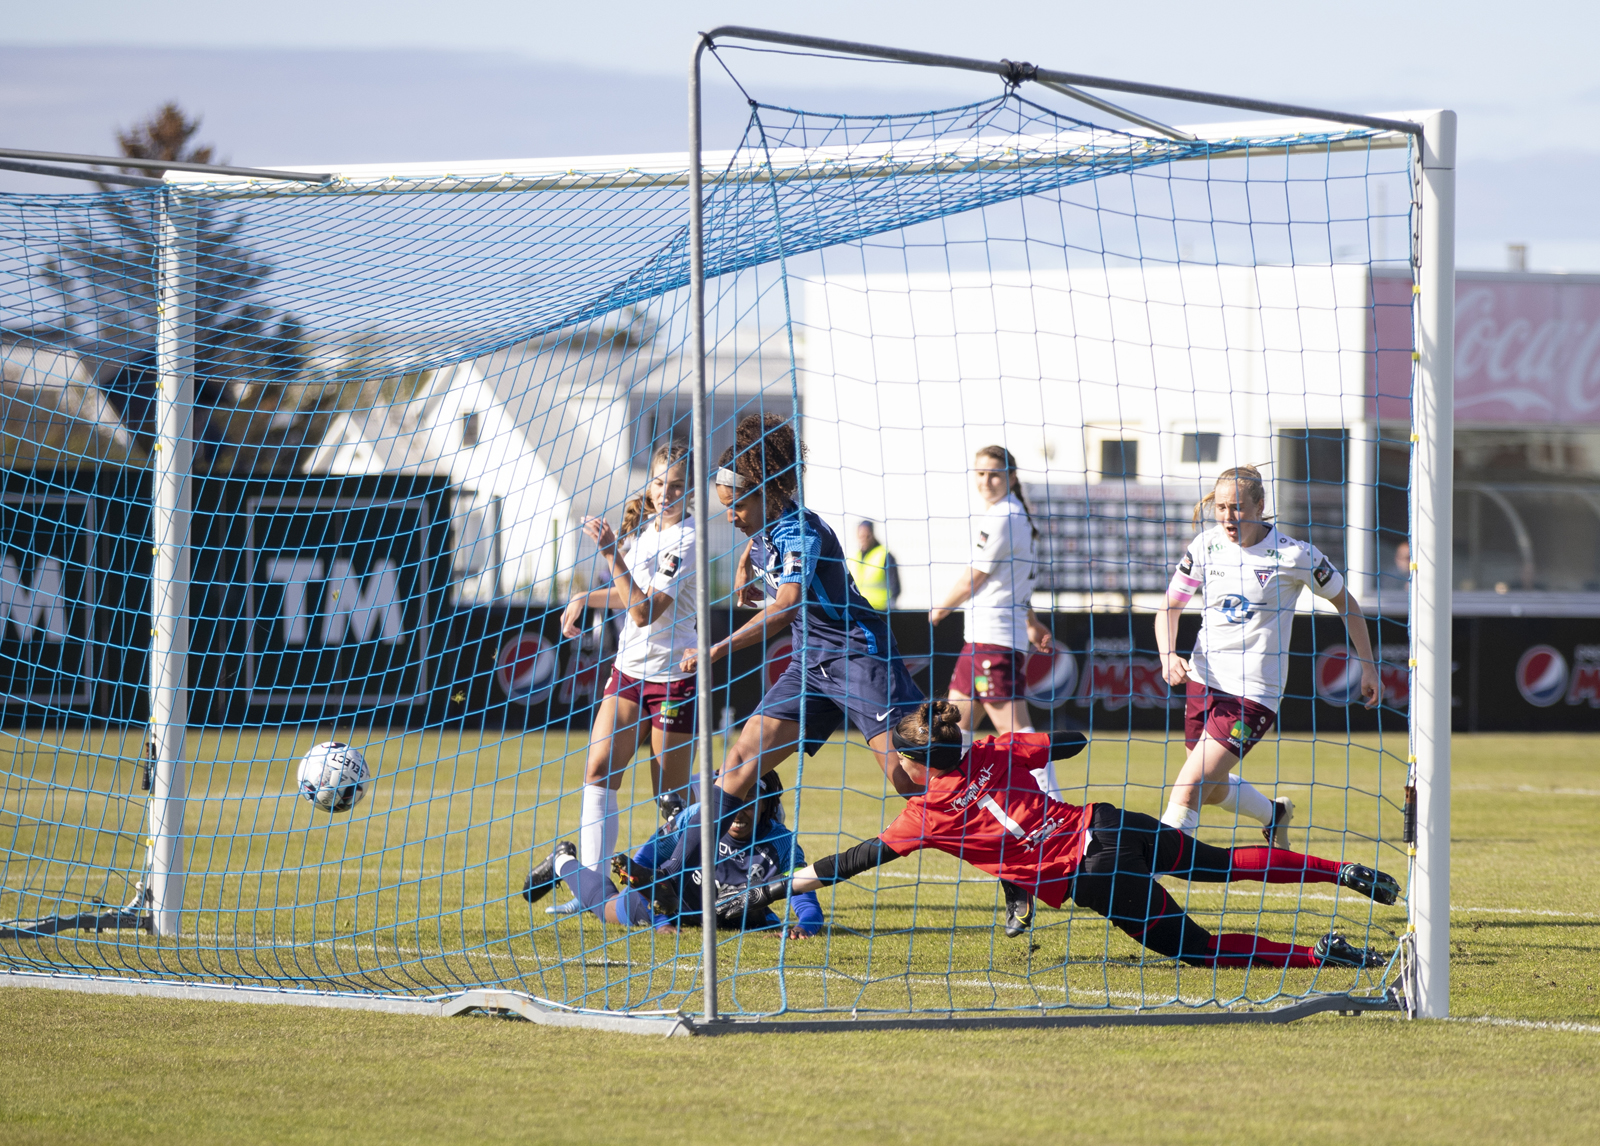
(991, 813)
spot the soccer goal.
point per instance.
(455, 587)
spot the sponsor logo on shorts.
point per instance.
(980, 682)
(669, 708)
(1542, 676)
(1263, 576)
(1239, 733)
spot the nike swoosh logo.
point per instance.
(881, 715)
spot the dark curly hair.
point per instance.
(767, 454)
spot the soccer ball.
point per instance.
(334, 776)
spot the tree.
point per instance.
(254, 410)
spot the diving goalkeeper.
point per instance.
(984, 806)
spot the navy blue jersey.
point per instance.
(740, 863)
(836, 621)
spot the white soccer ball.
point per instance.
(334, 776)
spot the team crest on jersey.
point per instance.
(1263, 576)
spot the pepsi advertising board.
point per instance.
(1518, 674)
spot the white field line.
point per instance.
(1525, 788)
(1525, 1024)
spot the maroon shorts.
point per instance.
(669, 705)
(1234, 722)
(990, 673)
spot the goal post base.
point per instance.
(663, 1024)
(490, 1001)
(1301, 1009)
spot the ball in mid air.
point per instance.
(334, 776)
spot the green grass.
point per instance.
(417, 891)
(1525, 833)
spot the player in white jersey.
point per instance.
(654, 583)
(1248, 574)
(997, 589)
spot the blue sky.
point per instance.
(317, 81)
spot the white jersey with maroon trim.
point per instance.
(1249, 594)
(997, 614)
(660, 561)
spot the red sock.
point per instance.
(1233, 949)
(1278, 865)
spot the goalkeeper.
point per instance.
(757, 847)
(984, 806)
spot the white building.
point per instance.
(1124, 385)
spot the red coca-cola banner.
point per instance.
(1527, 348)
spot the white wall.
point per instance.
(907, 374)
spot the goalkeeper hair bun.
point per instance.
(944, 722)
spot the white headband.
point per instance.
(727, 477)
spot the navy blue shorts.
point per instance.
(876, 694)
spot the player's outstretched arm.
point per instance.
(1065, 743)
(751, 901)
(761, 628)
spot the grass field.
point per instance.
(1520, 1062)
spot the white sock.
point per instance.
(589, 888)
(1184, 819)
(1247, 800)
(597, 826)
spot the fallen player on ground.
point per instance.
(985, 807)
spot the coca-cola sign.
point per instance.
(1527, 348)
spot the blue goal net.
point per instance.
(397, 462)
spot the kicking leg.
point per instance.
(1140, 907)
(1179, 854)
(763, 745)
(1205, 779)
(612, 745)
(671, 756)
(591, 889)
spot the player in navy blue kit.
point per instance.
(757, 847)
(845, 661)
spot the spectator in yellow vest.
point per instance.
(874, 569)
